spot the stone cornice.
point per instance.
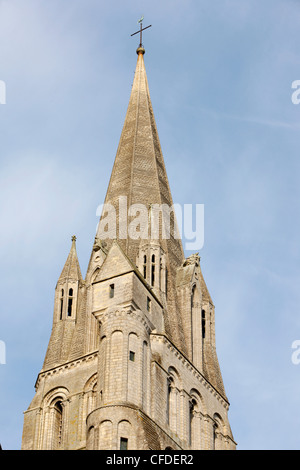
(62, 367)
(123, 311)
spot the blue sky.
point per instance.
(220, 76)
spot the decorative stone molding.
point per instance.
(193, 259)
(62, 368)
(186, 363)
(107, 315)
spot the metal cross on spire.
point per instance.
(140, 22)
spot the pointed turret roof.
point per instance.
(71, 269)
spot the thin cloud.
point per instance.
(253, 120)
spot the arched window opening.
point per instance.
(152, 270)
(70, 302)
(57, 425)
(61, 303)
(195, 412)
(218, 431)
(169, 398)
(192, 405)
(54, 409)
(193, 296)
(203, 324)
(174, 385)
(161, 274)
(145, 267)
(215, 435)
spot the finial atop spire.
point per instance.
(140, 49)
(74, 238)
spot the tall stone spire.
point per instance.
(139, 175)
(139, 171)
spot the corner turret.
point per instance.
(66, 305)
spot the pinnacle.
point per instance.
(71, 269)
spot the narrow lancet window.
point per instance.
(145, 267)
(191, 417)
(193, 296)
(169, 400)
(57, 426)
(203, 324)
(152, 270)
(215, 436)
(70, 302)
(61, 304)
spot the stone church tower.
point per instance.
(131, 362)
